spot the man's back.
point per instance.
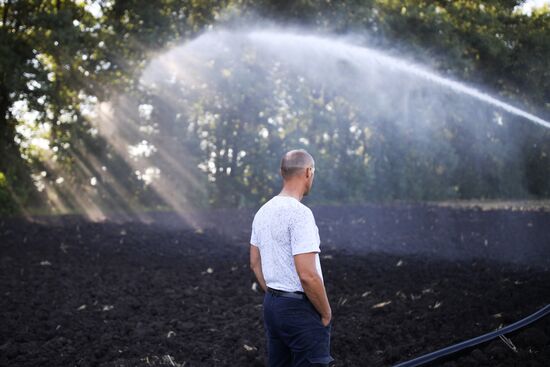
(284, 255)
(284, 227)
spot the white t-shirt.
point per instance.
(284, 227)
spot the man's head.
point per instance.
(298, 169)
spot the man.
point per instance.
(284, 255)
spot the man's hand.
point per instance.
(326, 320)
(256, 266)
(313, 284)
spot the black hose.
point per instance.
(478, 340)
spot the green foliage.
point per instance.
(7, 204)
(5, 197)
(59, 58)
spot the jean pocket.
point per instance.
(319, 318)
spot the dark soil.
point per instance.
(402, 280)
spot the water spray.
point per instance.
(360, 54)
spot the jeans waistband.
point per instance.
(297, 294)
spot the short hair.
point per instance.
(295, 161)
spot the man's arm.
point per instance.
(256, 266)
(313, 284)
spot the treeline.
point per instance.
(60, 58)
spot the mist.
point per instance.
(215, 115)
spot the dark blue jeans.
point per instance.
(295, 334)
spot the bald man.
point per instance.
(284, 255)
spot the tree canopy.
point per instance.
(60, 60)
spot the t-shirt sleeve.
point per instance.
(254, 240)
(304, 234)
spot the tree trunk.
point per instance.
(6, 130)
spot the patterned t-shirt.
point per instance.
(284, 227)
